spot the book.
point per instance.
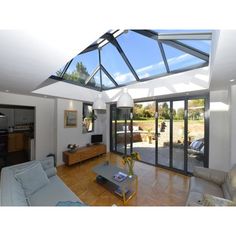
(119, 191)
(120, 176)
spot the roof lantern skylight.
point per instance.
(122, 57)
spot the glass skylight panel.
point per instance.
(143, 53)
(106, 82)
(82, 67)
(202, 45)
(178, 60)
(115, 65)
(95, 81)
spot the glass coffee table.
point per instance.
(125, 189)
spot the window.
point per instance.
(82, 67)
(88, 118)
(122, 57)
(144, 54)
(115, 65)
(178, 60)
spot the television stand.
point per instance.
(83, 153)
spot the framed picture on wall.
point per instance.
(70, 118)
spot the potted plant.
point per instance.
(129, 160)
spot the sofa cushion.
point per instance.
(12, 193)
(194, 199)
(210, 200)
(203, 186)
(231, 183)
(32, 178)
(48, 166)
(232, 176)
(70, 203)
(52, 193)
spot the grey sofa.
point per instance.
(12, 193)
(215, 183)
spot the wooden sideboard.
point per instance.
(83, 153)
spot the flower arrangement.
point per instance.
(72, 147)
(129, 161)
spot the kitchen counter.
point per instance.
(25, 132)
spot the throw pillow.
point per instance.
(210, 200)
(232, 177)
(70, 203)
(48, 166)
(32, 179)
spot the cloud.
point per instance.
(147, 71)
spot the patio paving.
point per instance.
(147, 152)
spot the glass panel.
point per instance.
(88, 118)
(121, 136)
(196, 135)
(164, 133)
(178, 135)
(82, 67)
(202, 45)
(113, 128)
(95, 81)
(178, 59)
(106, 82)
(143, 53)
(144, 130)
(115, 65)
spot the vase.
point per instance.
(130, 169)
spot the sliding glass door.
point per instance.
(178, 134)
(196, 133)
(163, 144)
(144, 131)
(170, 133)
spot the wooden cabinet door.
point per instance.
(19, 141)
(11, 143)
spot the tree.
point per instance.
(195, 109)
(164, 111)
(180, 114)
(80, 74)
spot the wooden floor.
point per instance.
(156, 186)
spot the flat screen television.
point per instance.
(96, 138)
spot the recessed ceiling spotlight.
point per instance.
(232, 80)
(187, 93)
(45, 96)
(7, 91)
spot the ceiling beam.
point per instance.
(187, 49)
(163, 56)
(185, 36)
(148, 33)
(92, 75)
(109, 76)
(100, 72)
(112, 40)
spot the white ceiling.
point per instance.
(28, 58)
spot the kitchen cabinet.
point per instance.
(16, 142)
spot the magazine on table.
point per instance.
(120, 176)
(120, 192)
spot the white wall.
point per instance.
(219, 137)
(74, 135)
(233, 125)
(44, 116)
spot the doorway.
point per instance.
(16, 134)
(171, 133)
